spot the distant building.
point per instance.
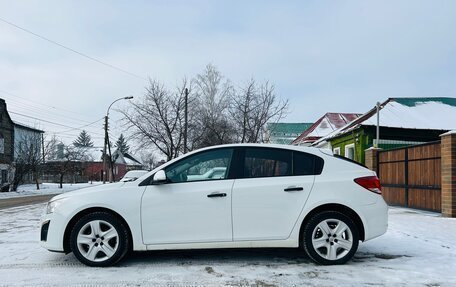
(403, 122)
(284, 133)
(12, 136)
(324, 126)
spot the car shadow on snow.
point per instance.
(247, 257)
(268, 257)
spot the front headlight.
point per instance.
(52, 205)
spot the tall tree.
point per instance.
(157, 119)
(253, 107)
(217, 113)
(121, 144)
(83, 140)
(213, 92)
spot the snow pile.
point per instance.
(418, 250)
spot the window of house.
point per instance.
(350, 151)
(207, 165)
(336, 150)
(266, 162)
(4, 176)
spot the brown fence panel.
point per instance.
(411, 176)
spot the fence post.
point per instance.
(371, 158)
(448, 146)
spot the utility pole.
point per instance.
(107, 144)
(378, 125)
(185, 119)
(104, 149)
(111, 164)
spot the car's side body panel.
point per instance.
(263, 210)
(183, 212)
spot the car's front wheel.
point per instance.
(99, 239)
(330, 237)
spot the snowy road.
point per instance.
(419, 249)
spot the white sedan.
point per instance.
(265, 196)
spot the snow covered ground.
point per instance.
(45, 188)
(419, 249)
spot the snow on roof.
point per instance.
(436, 113)
(325, 125)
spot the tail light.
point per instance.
(371, 183)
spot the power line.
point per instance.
(74, 51)
(46, 121)
(35, 103)
(81, 127)
(35, 112)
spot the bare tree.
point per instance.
(157, 119)
(72, 162)
(28, 158)
(217, 113)
(148, 159)
(51, 148)
(253, 107)
(212, 92)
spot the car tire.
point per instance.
(330, 238)
(99, 239)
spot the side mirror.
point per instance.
(159, 177)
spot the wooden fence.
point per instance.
(411, 176)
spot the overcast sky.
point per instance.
(324, 56)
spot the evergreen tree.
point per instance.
(83, 140)
(121, 144)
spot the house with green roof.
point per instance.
(284, 133)
(403, 122)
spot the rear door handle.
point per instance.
(217, 194)
(293, 188)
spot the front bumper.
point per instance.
(52, 230)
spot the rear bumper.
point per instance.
(375, 219)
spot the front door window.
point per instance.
(208, 165)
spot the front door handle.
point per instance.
(217, 194)
(293, 188)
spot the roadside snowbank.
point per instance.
(45, 188)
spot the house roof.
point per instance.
(431, 113)
(288, 128)
(284, 133)
(325, 125)
(22, 126)
(124, 158)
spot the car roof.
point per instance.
(312, 150)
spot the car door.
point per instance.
(270, 193)
(189, 206)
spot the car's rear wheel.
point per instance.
(99, 239)
(330, 237)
